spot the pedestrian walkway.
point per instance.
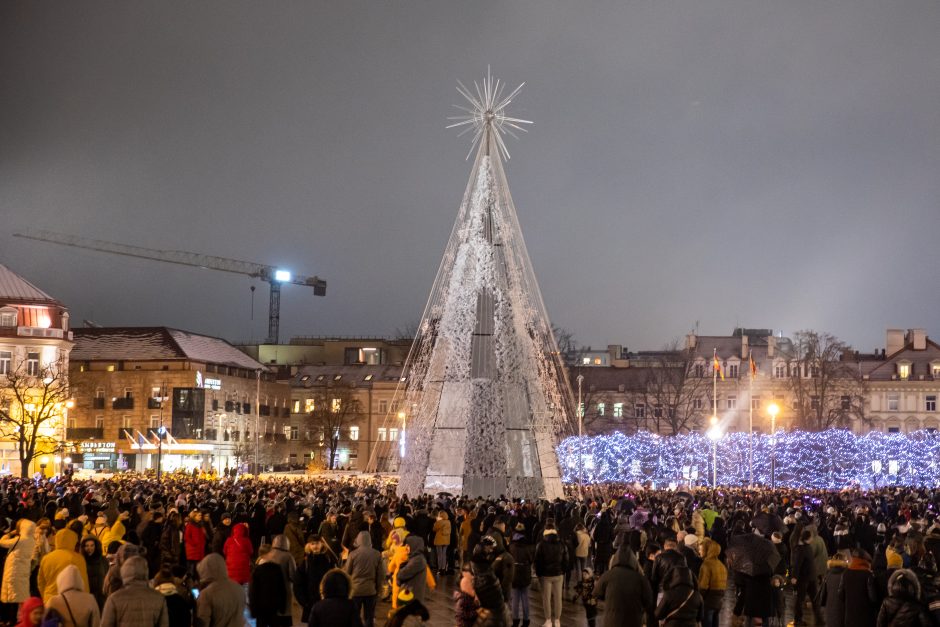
(441, 605)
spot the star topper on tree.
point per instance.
(487, 112)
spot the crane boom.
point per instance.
(270, 274)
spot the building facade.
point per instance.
(895, 389)
(35, 342)
(209, 398)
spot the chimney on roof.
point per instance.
(744, 346)
(691, 340)
(771, 346)
(918, 337)
(894, 341)
(614, 351)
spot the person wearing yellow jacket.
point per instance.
(712, 581)
(55, 562)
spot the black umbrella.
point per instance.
(751, 554)
(767, 523)
(684, 495)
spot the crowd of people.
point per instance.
(208, 552)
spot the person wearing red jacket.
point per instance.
(194, 538)
(238, 552)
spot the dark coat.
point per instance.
(831, 600)
(551, 556)
(903, 607)
(681, 605)
(663, 565)
(522, 555)
(336, 609)
(309, 575)
(626, 591)
(267, 593)
(859, 595)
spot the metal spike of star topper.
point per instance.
(487, 110)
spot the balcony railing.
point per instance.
(122, 403)
(154, 403)
(85, 433)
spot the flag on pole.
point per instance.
(753, 366)
(718, 369)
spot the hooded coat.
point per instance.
(76, 606)
(364, 567)
(26, 609)
(830, 599)
(238, 553)
(135, 604)
(681, 605)
(627, 593)
(53, 563)
(97, 566)
(295, 535)
(17, 567)
(413, 573)
(113, 580)
(194, 536)
(280, 555)
(335, 609)
(222, 602)
(712, 576)
(903, 607)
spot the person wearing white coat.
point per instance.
(16, 569)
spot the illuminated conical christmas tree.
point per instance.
(484, 394)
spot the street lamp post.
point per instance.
(580, 439)
(714, 434)
(773, 409)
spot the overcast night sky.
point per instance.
(749, 162)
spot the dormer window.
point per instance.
(935, 369)
(8, 317)
(904, 370)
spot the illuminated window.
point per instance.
(732, 402)
(597, 361)
(338, 377)
(305, 378)
(930, 402)
(296, 408)
(110, 368)
(894, 401)
(308, 405)
(383, 434)
(618, 410)
(321, 377)
(353, 433)
(32, 364)
(904, 371)
(155, 422)
(586, 361)
(8, 317)
(393, 434)
(336, 404)
(6, 358)
(600, 409)
(935, 370)
(368, 377)
(126, 422)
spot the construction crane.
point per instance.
(273, 276)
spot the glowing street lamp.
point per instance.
(773, 409)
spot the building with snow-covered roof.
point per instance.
(35, 341)
(211, 398)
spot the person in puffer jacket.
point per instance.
(681, 605)
(903, 607)
(135, 604)
(238, 553)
